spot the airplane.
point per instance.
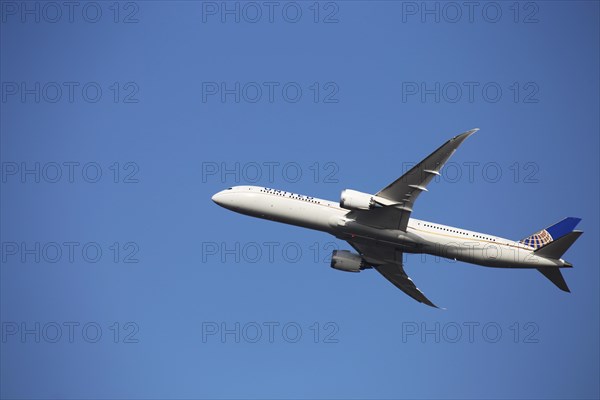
(380, 228)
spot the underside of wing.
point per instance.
(403, 192)
(388, 262)
(395, 274)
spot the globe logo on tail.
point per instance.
(538, 239)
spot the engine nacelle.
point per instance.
(354, 200)
(348, 261)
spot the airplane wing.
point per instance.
(388, 262)
(405, 190)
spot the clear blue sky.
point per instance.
(220, 305)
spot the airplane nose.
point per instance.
(225, 198)
(217, 198)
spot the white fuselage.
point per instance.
(420, 236)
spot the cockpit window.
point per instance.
(229, 188)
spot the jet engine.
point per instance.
(348, 261)
(353, 200)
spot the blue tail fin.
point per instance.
(551, 233)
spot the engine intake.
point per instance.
(348, 261)
(354, 200)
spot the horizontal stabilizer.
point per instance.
(554, 275)
(558, 247)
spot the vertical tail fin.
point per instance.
(551, 233)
